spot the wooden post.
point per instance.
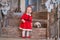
(19, 6)
(37, 5)
(58, 20)
(47, 26)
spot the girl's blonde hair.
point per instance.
(28, 7)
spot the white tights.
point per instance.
(23, 33)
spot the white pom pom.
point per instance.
(38, 24)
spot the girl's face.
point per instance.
(29, 10)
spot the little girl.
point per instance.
(26, 24)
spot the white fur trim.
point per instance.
(25, 29)
(29, 14)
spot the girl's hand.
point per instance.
(31, 24)
(23, 20)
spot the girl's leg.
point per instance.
(28, 34)
(23, 33)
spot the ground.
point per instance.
(22, 39)
(19, 39)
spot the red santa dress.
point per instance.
(27, 24)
